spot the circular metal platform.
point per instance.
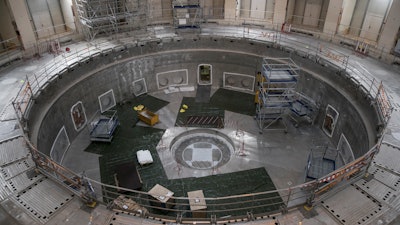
(202, 149)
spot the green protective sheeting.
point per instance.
(234, 101)
(199, 109)
(130, 138)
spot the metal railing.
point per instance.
(221, 208)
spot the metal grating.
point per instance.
(389, 179)
(42, 199)
(119, 218)
(353, 206)
(388, 157)
(24, 180)
(377, 190)
(5, 188)
(16, 168)
(12, 150)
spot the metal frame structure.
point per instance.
(104, 127)
(303, 108)
(322, 160)
(276, 92)
(110, 16)
(187, 13)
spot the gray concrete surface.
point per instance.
(76, 214)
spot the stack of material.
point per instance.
(128, 205)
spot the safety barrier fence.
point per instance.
(250, 206)
(224, 208)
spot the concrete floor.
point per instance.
(285, 171)
(285, 163)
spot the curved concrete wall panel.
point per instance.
(117, 70)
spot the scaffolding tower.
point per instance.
(276, 92)
(187, 13)
(105, 17)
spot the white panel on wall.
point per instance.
(172, 78)
(139, 87)
(330, 120)
(257, 9)
(78, 116)
(238, 81)
(107, 101)
(60, 146)
(344, 149)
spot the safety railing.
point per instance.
(225, 207)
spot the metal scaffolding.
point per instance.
(105, 17)
(276, 92)
(187, 13)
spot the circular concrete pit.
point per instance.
(199, 149)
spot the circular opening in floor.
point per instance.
(202, 149)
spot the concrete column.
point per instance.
(347, 14)
(155, 9)
(279, 13)
(66, 7)
(6, 27)
(391, 26)
(333, 16)
(22, 19)
(230, 9)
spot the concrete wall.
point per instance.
(389, 37)
(280, 12)
(155, 9)
(86, 82)
(356, 114)
(290, 10)
(230, 9)
(374, 18)
(332, 17)
(312, 12)
(6, 27)
(21, 16)
(299, 11)
(257, 9)
(347, 13)
(245, 8)
(270, 7)
(358, 17)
